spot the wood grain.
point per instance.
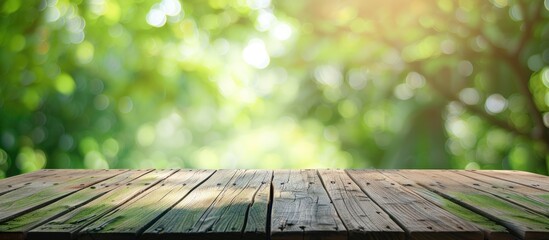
(531, 198)
(35, 181)
(132, 218)
(66, 226)
(258, 218)
(28, 198)
(491, 229)
(363, 218)
(420, 218)
(523, 222)
(525, 178)
(272, 205)
(217, 208)
(16, 182)
(17, 227)
(302, 209)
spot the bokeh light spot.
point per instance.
(545, 76)
(255, 54)
(84, 52)
(546, 119)
(11, 6)
(282, 31)
(535, 62)
(515, 13)
(146, 135)
(500, 3)
(65, 84)
(495, 103)
(465, 68)
(328, 75)
(259, 4)
(125, 104)
(469, 96)
(30, 160)
(17, 43)
(265, 20)
(66, 142)
(94, 160)
(88, 144)
(52, 14)
(347, 109)
(31, 99)
(472, 166)
(357, 78)
(101, 102)
(110, 147)
(403, 92)
(448, 46)
(170, 7)
(4, 157)
(156, 18)
(415, 80)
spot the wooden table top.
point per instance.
(274, 204)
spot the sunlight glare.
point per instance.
(264, 20)
(255, 54)
(170, 7)
(156, 18)
(259, 4)
(282, 31)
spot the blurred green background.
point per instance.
(274, 84)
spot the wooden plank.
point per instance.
(132, 218)
(521, 221)
(183, 216)
(216, 209)
(66, 226)
(525, 178)
(258, 217)
(491, 229)
(531, 198)
(19, 181)
(26, 199)
(30, 183)
(361, 216)
(302, 209)
(18, 227)
(420, 218)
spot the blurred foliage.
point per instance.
(281, 84)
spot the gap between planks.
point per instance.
(319, 174)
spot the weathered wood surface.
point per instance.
(217, 208)
(523, 222)
(134, 217)
(531, 198)
(19, 181)
(524, 178)
(274, 204)
(302, 208)
(18, 227)
(491, 229)
(66, 226)
(30, 197)
(362, 217)
(420, 218)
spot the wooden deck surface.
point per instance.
(274, 204)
